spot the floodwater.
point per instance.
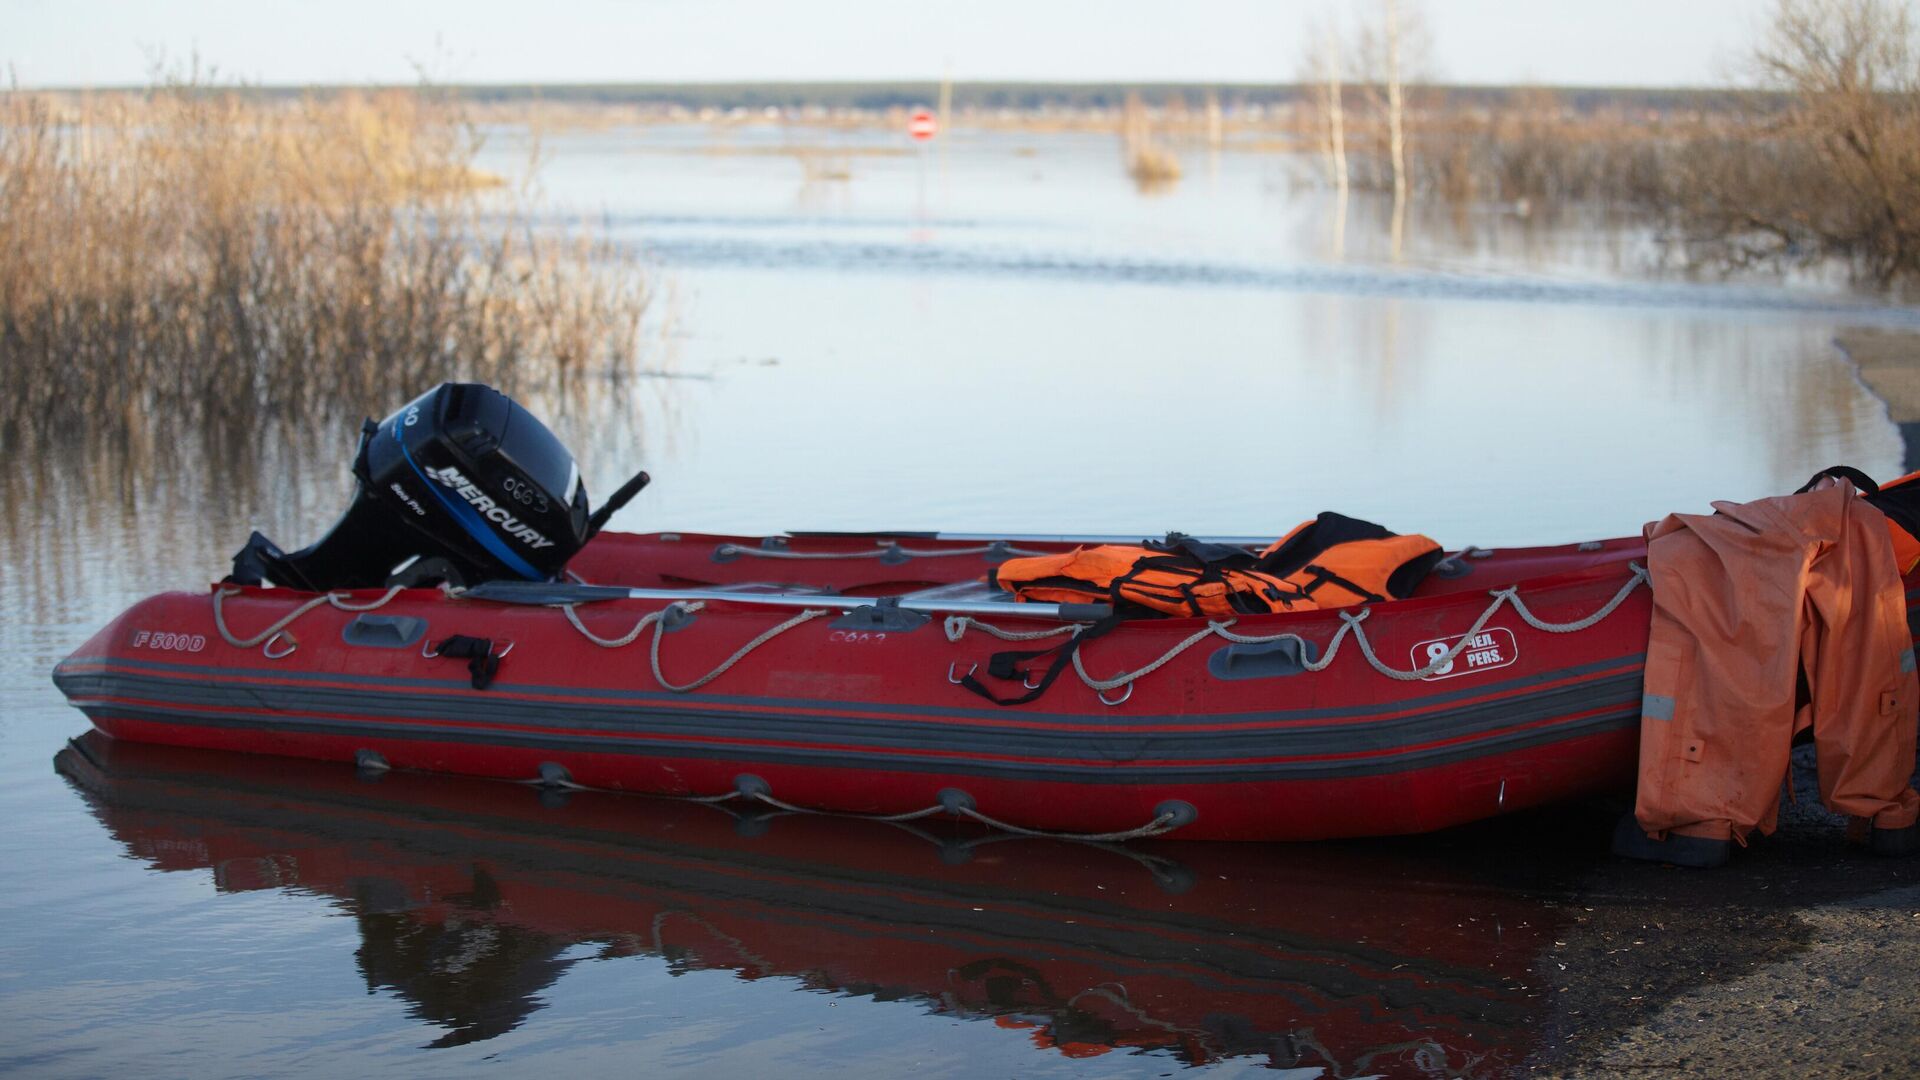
(1004, 336)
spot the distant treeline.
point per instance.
(1030, 96)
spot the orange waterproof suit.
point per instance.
(1769, 618)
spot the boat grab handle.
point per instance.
(1265, 660)
(384, 631)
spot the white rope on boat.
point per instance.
(956, 628)
(911, 815)
(1350, 625)
(1520, 606)
(621, 642)
(335, 599)
(1104, 685)
(659, 631)
(1164, 823)
(880, 552)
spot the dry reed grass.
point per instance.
(193, 254)
(1151, 164)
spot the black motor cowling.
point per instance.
(461, 485)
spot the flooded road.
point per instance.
(1009, 339)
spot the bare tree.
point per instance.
(1336, 109)
(1389, 55)
(1834, 172)
(1323, 68)
(1851, 66)
(1396, 102)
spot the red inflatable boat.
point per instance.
(463, 617)
(1484, 693)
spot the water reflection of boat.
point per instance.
(470, 906)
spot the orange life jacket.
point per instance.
(1898, 500)
(1331, 561)
(1169, 581)
(1338, 561)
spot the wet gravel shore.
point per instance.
(1889, 364)
(1799, 958)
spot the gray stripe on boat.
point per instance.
(867, 732)
(1111, 773)
(1104, 721)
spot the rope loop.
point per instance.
(911, 815)
(956, 628)
(335, 599)
(1101, 686)
(657, 620)
(621, 642)
(1164, 822)
(1520, 607)
(886, 548)
(659, 631)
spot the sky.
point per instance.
(1560, 42)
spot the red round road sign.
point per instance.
(922, 126)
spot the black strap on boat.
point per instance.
(1199, 574)
(477, 652)
(1861, 481)
(1899, 502)
(1007, 665)
(1223, 555)
(1324, 576)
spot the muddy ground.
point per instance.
(1800, 958)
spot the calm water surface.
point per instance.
(1011, 338)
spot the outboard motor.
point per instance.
(462, 485)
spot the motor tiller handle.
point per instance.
(615, 501)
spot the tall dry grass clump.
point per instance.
(204, 255)
(1151, 164)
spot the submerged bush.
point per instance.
(205, 254)
(1816, 162)
(1834, 171)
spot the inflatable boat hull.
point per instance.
(841, 715)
